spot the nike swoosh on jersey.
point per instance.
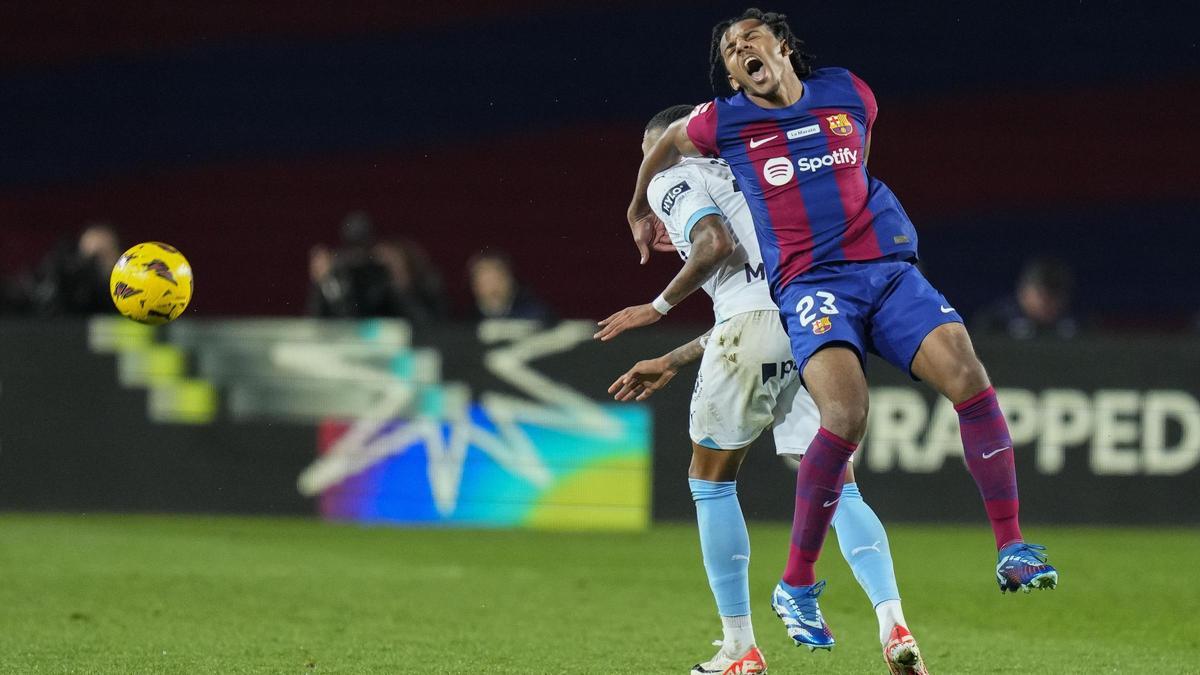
(945, 309)
(755, 142)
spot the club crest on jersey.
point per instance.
(668, 200)
(840, 124)
(822, 325)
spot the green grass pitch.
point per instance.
(149, 594)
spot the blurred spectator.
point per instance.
(1040, 307)
(496, 292)
(415, 287)
(347, 283)
(368, 279)
(73, 279)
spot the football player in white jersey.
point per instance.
(746, 383)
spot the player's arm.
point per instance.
(870, 109)
(711, 245)
(666, 152)
(651, 375)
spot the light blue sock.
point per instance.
(864, 544)
(725, 544)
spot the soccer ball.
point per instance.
(151, 283)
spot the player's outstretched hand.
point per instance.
(642, 380)
(641, 224)
(630, 317)
(662, 239)
(649, 233)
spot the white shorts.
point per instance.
(748, 382)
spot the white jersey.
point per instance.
(698, 187)
(747, 379)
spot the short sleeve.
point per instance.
(868, 99)
(702, 129)
(680, 199)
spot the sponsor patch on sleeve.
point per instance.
(668, 200)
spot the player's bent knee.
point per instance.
(847, 428)
(846, 419)
(967, 377)
(975, 378)
(835, 378)
(947, 361)
(715, 465)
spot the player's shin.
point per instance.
(864, 544)
(818, 489)
(725, 546)
(989, 454)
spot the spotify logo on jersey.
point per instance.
(778, 170)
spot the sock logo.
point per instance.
(829, 504)
(989, 455)
(739, 556)
(873, 547)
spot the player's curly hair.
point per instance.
(663, 118)
(801, 60)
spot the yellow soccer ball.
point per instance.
(151, 283)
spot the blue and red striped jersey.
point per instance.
(803, 171)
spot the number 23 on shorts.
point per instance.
(807, 307)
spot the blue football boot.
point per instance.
(797, 607)
(1023, 566)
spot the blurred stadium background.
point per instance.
(404, 221)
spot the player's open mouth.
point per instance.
(754, 68)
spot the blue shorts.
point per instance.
(882, 307)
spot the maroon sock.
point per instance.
(989, 453)
(818, 488)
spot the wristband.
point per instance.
(661, 305)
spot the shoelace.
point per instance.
(812, 593)
(722, 651)
(1027, 551)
